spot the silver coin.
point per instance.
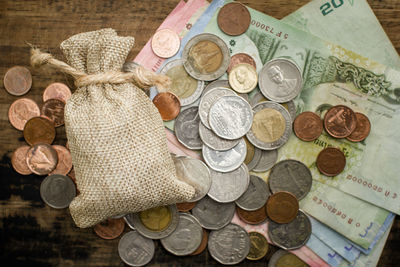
(268, 125)
(213, 215)
(57, 191)
(182, 86)
(290, 235)
(143, 230)
(225, 161)
(213, 141)
(280, 80)
(255, 196)
(257, 98)
(195, 173)
(267, 160)
(135, 250)
(229, 186)
(215, 84)
(276, 257)
(187, 128)
(230, 117)
(291, 176)
(256, 158)
(229, 245)
(194, 57)
(129, 220)
(209, 99)
(292, 109)
(186, 238)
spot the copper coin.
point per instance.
(39, 130)
(234, 18)
(168, 105)
(282, 207)
(57, 91)
(362, 129)
(110, 229)
(41, 159)
(252, 217)
(307, 126)
(165, 43)
(241, 58)
(203, 244)
(340, 121)
(185, 206)
(331, 161)
(18, 160)
(21, 110)
(54, 110)
(64, 164)
(18, 80)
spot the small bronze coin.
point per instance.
(18, 160)
(203, 244)
(41, 159)
(362, 129)
(307, 126)
(21, 110)
(241, 58)
(64, 164)
(165, 43)
(258, 246)
(331, 161)
(282, 207)
(54, 110)
(57, 91)
(252, 217)
(168, 105)
(340, 121)
(185, 206)
(234, 18)
(39, 130)
(110, 229)
(18, 80)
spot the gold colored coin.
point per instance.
(258, 246)
(268, 125)
(207, 56)
(243, 78)
(250, 151)
(156, 219)
(290, 259)
(182, 84)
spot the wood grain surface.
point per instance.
(33, 234)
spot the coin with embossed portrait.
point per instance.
(135, 249)
(57, 91)
(331, 161)
(243, 78)
(57, 191)
(308, 126)
(39, 130)
(21, 110)
(18, 160)
(165, 43)
(53, 109)
(187, 128)
(17, 80)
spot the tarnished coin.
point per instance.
(252, 217)
(258, 246)
(283, 258)
(225, 161)
(110, 228)
(280, 80)
(234, 18)
(213, 141)
(39, 130)
(41, 159)
(267, 160)
(185, 206)
(17, 80)
(340, 121)
(64, 164)
(18, 160)
(243, 78)
(291, 176)
(168, 105)
(183, 85)
(229, 186)
(272, 126)
(135, 249)
(215, 84)
(57, 91)
(206, 57)
(331, 161)
(241, 58)
(165, 43)
(362, 129)
(186, 238)
(57, 191)
(230, 117)
(213, 215)
(229, 245)
(307, 126)
(21, 110)
(54, 110)
(255, 196)
(291, 235)
(203, 244)
(282, 207)
(187, 128)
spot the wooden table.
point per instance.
(33, 233)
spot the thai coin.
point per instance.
(280, 80)
(185, 206)
(64, 163)
(241, 58)
(253, 155)
(21, 110)
(340, 121)
(213, 215)
(186, 238)
(255, 196)
(234, 18)
(213, 141)
(18, 160)
(257, 98)
(168, 105)
(290, 106)
(331, 161)
(229, 245)
(225, 161)
(206, 57)
(283, 258)
(243, 78)
(291, 176)
(57, 191)
(183, 85)
(54, 110)
(110, 228)
(203, 244)
(187, 128)
(290, 235)
(135, 249)
(272, 126)
(156, 223)
(17, 80)
(57, 91)
(252, 217)
(215, 84)
(230, 117)
(362, 129)
(129, 220)
(165, 43)
(39, 130)
(41, 159)
(308, 126)
(229, 186)
(267, 160)
(282, 207)
(258, 246)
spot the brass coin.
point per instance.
(39, 130)
(340, 121)
(110, 229)
(268, 125)
(41, 159)
(250, 151)
(64, 164)
(203, 244)
(18, 80)
(207, 56)
(331, 161)
(168, 105)
(258, 246)
(243, 78)
(362, 129)
(21, 110)
(57, 91)
(156, 219)
(290, 259)
(234, 19)
(186, 206)
(282, 207)
(18, 160)
(241, 58)
(54, 110)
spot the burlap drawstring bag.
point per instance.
(115, 133)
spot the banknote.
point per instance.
(325, 252)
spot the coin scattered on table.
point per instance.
(187, 128)
(307, 126)
(255, 196)
(362, 129)
(241, 58)
(17, 80)
(41, 159)
(57, 91)
(39, 130)
(234, 18)
(21, 110)
(53, 109)
(215, 142)
(243, 78)
(252, 217)
(168, 105)
(331, 161)
(18, 160)
(282, 207)
(57, 191)
(64, 164)
(165, 43)
(135, 249)
(215, 84)
(258, 246)
(267, 160)
(340, 121)
(110, 228)
(283, 258)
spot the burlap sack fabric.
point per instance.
(115, 134)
